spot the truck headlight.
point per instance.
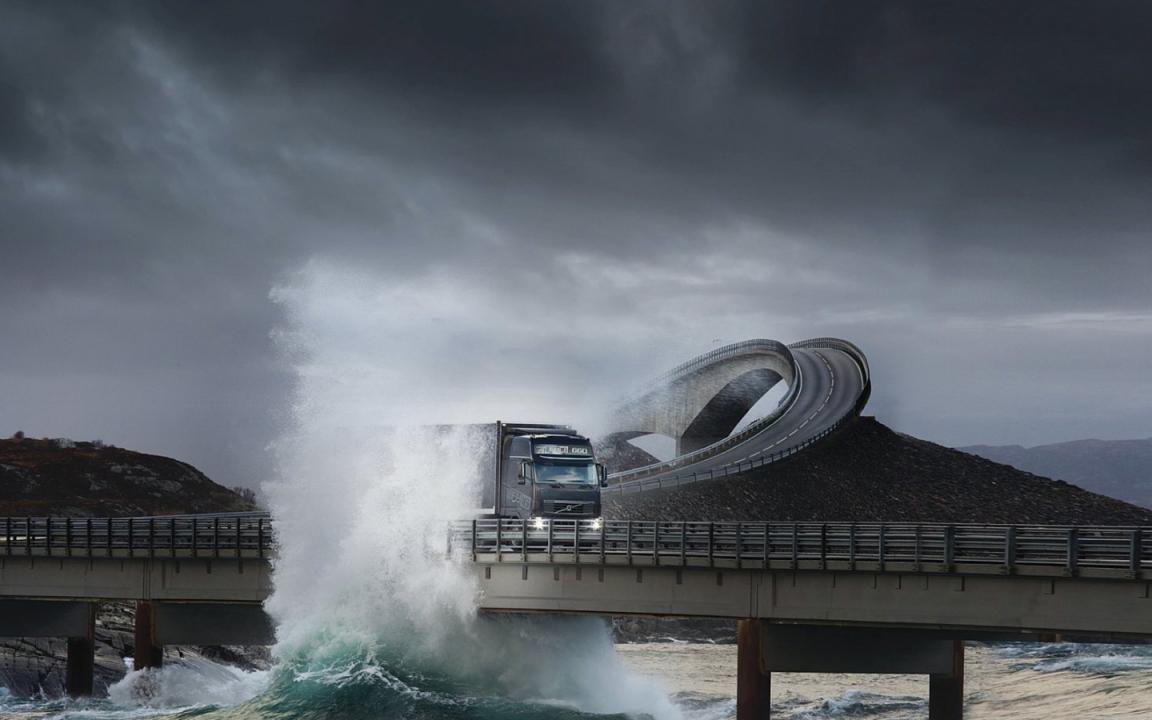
(597, 523)
(538, 523)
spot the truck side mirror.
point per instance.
(602, 473)
(525, 473)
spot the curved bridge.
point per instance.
(700, 402)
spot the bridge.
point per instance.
(700, 403)
(195, 580)
(832, 597)
(829, 597)
(808, 597)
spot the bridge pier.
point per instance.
(753, 685)
(946, 690)
(764, 647)
(80, 666)
(148, 652)
(71, 619)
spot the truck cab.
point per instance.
(547, 472)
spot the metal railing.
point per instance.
(630, 481)
(708, 358)
(664, 482)
(220, 535)
(1116, 552)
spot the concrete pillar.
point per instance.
(81, 662)
(691, 443)
(946, 690)
(147, 653)
(752, 685)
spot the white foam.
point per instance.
(187, 683)
(365, 496)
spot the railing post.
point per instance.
(795, 546)
(238, 538)
(949, 547)
(576, 541)
(260, 539)
(195, 537)
(880, 540)
(88, 538)
(131, 538)
(68, 537)
(919, 548)
(852, 546)
(1010, 550)
(172, 536)
(711, 552)
(823, 546)
(216, 537)
(48, 536)
(524, 542)
(628, 546)
(1137, 552)
(151, 537)
(603, 530)
(683, 543)
(500, 537)
(28, 536)
(739, 545)
(1073, 552)
(551, 524)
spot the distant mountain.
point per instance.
(1117, 468)
(90, 479)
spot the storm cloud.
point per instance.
(963, 188)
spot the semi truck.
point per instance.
(541, 471)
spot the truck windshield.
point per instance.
(566, 474)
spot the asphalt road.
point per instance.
(830, 384)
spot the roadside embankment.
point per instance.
(866, 472)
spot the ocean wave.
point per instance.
(855, 703)
(1093, 658)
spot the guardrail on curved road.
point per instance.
(652, 477)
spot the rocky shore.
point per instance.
(35, 666)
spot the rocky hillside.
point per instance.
(867, 472)
(1118, 468)
(83, 479)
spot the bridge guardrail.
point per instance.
(658, 483)
(704, 360)
(239, 535)
(873, 547)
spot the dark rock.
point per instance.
(866, 472)
(36, 667)
(81, 479)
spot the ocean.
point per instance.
(663, 681)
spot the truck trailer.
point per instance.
(541, 471)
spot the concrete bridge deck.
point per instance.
(849, 597)
(829, 597)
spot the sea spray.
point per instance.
(368, 606)
(184, 683)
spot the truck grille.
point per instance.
(563, 507)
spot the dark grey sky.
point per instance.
(962, 188)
